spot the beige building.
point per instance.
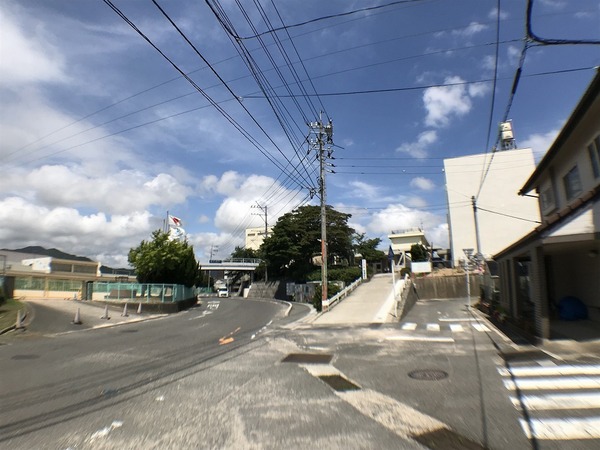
(255, 237)
(560, 259)
(502, 215)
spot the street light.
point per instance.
(468, 253)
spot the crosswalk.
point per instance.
(444, 326)
(557, 402)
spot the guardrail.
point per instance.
(331, 302)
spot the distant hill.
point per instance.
(53, 252)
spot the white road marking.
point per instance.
(553, 383)
(103, 432)
(433, 327)
(480, 327)
(409, 326)
(456, 328)
(562, 429)
(457, 320)
(558, 401)
(531, 371)
(419, 338)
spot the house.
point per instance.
(560, 259)
(502, 215)
(256, 236)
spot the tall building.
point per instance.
(502, 215)
(255, 237)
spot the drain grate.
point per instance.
(25, 357)
(339, 383)
(447, 440)
(428, 374)
(308, 358)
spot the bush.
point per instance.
(332, 289)
(346, 274)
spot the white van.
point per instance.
(223, 292)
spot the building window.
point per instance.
(594, 151)
(547, 199)
(572, 183)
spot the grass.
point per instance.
(8, 312)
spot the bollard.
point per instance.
(105, 316)
(124, 313)
(19, 323)
(77, 319)
(139, 311)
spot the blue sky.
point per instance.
(100, 135)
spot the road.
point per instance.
(238, 374)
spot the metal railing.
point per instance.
(142, 292)
(337, 298)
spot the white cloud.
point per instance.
(554, 4)
(442, 103)
(494, 13)
(539, 142)
(422, 183)
(93, 235)
(364, 190)
(472, 29)
(418, 149)
(27, 54)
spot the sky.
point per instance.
(113, 117)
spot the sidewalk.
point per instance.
(371, 302)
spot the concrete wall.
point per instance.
(454, 286)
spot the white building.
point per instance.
(502, 215)
(560, 259)
(403, 240)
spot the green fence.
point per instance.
(142, 292)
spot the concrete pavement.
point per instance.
(371, 302)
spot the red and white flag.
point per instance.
(174, 221)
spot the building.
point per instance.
(30, 275)
(255, 237)
(403, 240)
(560, 259)
(502, 215)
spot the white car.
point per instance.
(223, 292)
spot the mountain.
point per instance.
(53, 252)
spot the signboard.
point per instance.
(364, 269)
(420, 267)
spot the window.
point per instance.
(547, 199)
(594, 151)
(572, 183)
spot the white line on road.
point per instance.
(456, 328)
(409, 326)
(433, 327)
(457, 320)
(480, 327)
(419, 338)
(586, 400)
(553, 383)
(531, 371)
(562, 429)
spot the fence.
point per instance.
(331, 302)
(140, 292)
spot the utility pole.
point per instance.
(321, 142)
(265, 210)
(478, 242)
(215, 249)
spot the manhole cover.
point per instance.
(25, 357)
(428, 374)
(339, 383)
(308, 358)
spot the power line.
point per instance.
(507, 215)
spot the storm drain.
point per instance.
(339, 383)
(25, 357)
(445, 439)
(428, 374)
(528, 355)
(308, 358)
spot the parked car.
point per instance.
(223, 292)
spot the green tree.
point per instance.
(418, 253)
(368, 248)
(296, 240)
(164, 261)
(241, 252)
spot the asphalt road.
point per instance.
(227, 376)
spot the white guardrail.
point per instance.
(331, 302)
